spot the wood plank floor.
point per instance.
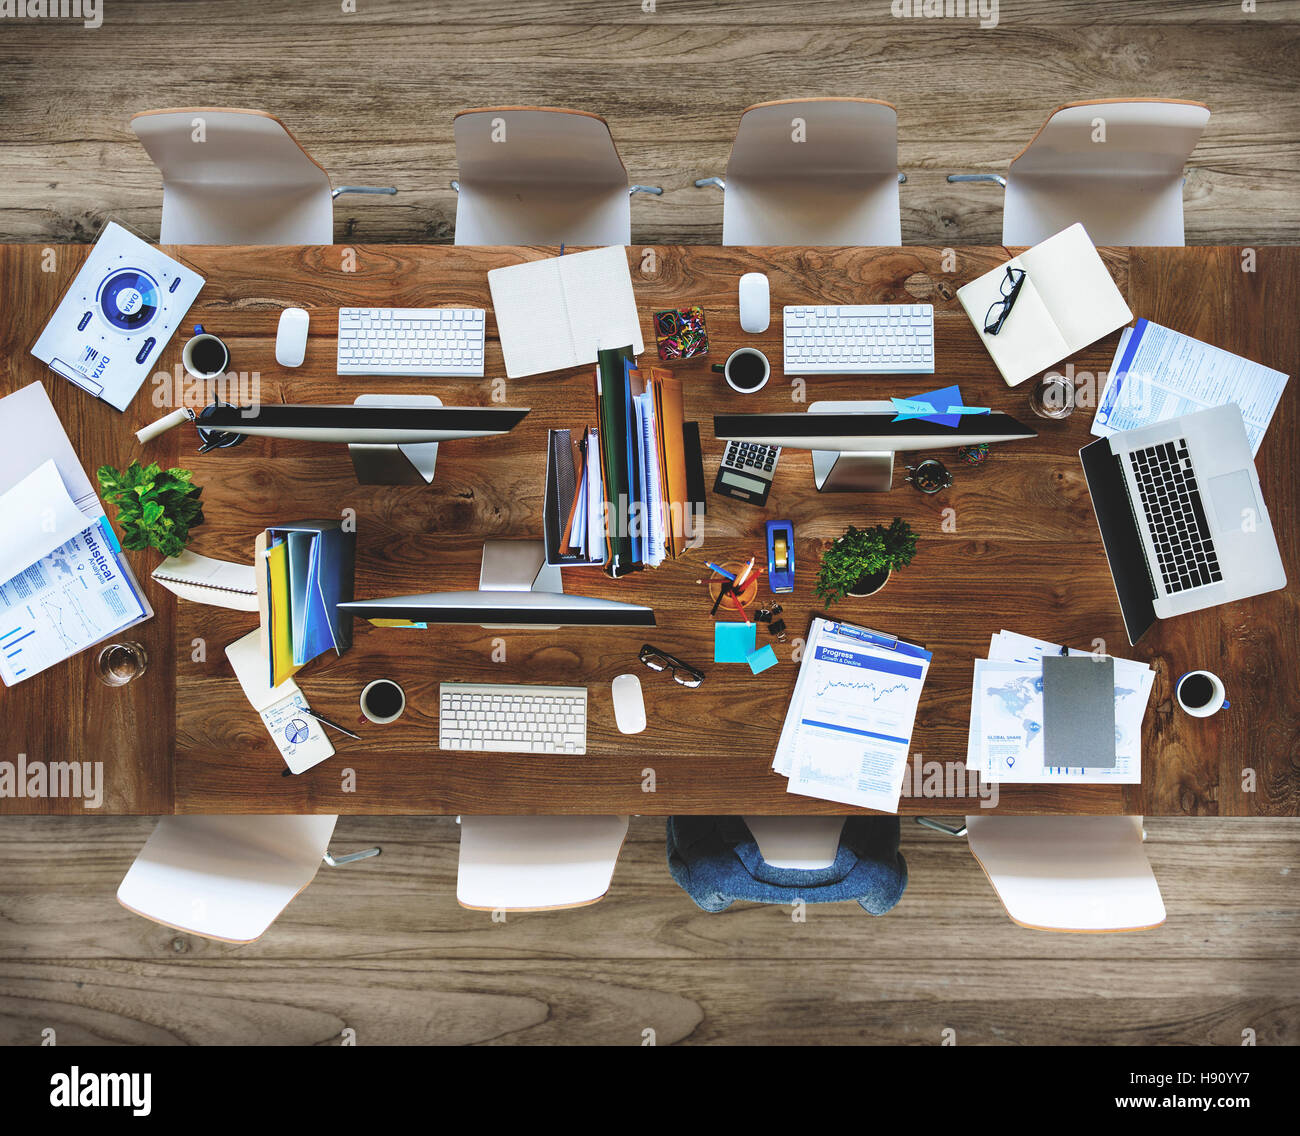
(382, 948)
(371, 95)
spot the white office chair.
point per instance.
(536, 863)
(813, 172)
(238, 177)
(227, 877)
(540, 176)
(804, 842)
(1071, 873)
(1114, 164)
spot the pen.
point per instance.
(327, 722)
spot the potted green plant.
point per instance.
(154, 508)
(859, 562)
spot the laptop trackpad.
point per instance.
(1235, 507)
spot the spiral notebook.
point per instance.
(557, 313)
(202, 579)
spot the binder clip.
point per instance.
(780, 556)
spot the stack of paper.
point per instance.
(64, 584)
(1006, 720)
(1158, 374)
(848, 732)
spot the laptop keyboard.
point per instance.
(1172, 503)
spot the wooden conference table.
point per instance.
(1013, 544)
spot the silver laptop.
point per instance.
(1182, 516)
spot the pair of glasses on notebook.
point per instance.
(1000, 309)
(658, 660)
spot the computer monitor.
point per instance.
(854, 443)
(516, 589)
(391, 438)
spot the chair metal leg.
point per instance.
(349, 857)
(902, 179)
(455, 185)
(388, 189)
(657, 190)
(711, 181)
(942, 826)
(998, 178)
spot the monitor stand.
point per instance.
(838, 471)
(411, 464)
(518, 566)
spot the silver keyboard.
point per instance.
(859, 339)
(445, 342)
(512, 719)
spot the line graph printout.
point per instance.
(849, 728)
(64, 602)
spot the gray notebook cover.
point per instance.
(1078, 711)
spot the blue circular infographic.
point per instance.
(128, 299)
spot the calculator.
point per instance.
(746, 472)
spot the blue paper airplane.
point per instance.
(943, 406)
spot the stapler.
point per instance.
(780, 556)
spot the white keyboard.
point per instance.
(411, 341)
(512, 719)
(860, 339)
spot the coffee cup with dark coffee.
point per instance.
(746, 370)
(382, 701)
(1201, 693)
(205, 356)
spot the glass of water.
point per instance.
(1052, 397)
(120, 663)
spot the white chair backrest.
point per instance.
(1069, 873)
(805, 842)
(1115, 137)
(536, 144)
(224, 877)
(539, 175)
(814, 172)
(843, 139)
(532, 863)
(1115, 165)
(235, 176)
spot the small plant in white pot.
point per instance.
(859, 562)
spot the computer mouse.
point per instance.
(755, 302)
(291, 337)
(629, 706)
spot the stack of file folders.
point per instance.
(620, 494)
(304, 571)
(1043, 715)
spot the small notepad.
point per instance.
(1067, 301)
(557, 313)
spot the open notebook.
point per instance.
(1067, 301)
(557, 313)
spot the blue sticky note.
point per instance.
(733, 642)
(761, 659)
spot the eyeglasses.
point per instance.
(658, 660)
(1000, 309)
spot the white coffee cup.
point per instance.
(1217, 700)
(187, 354)
(379, 719)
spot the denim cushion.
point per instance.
(716, 861)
